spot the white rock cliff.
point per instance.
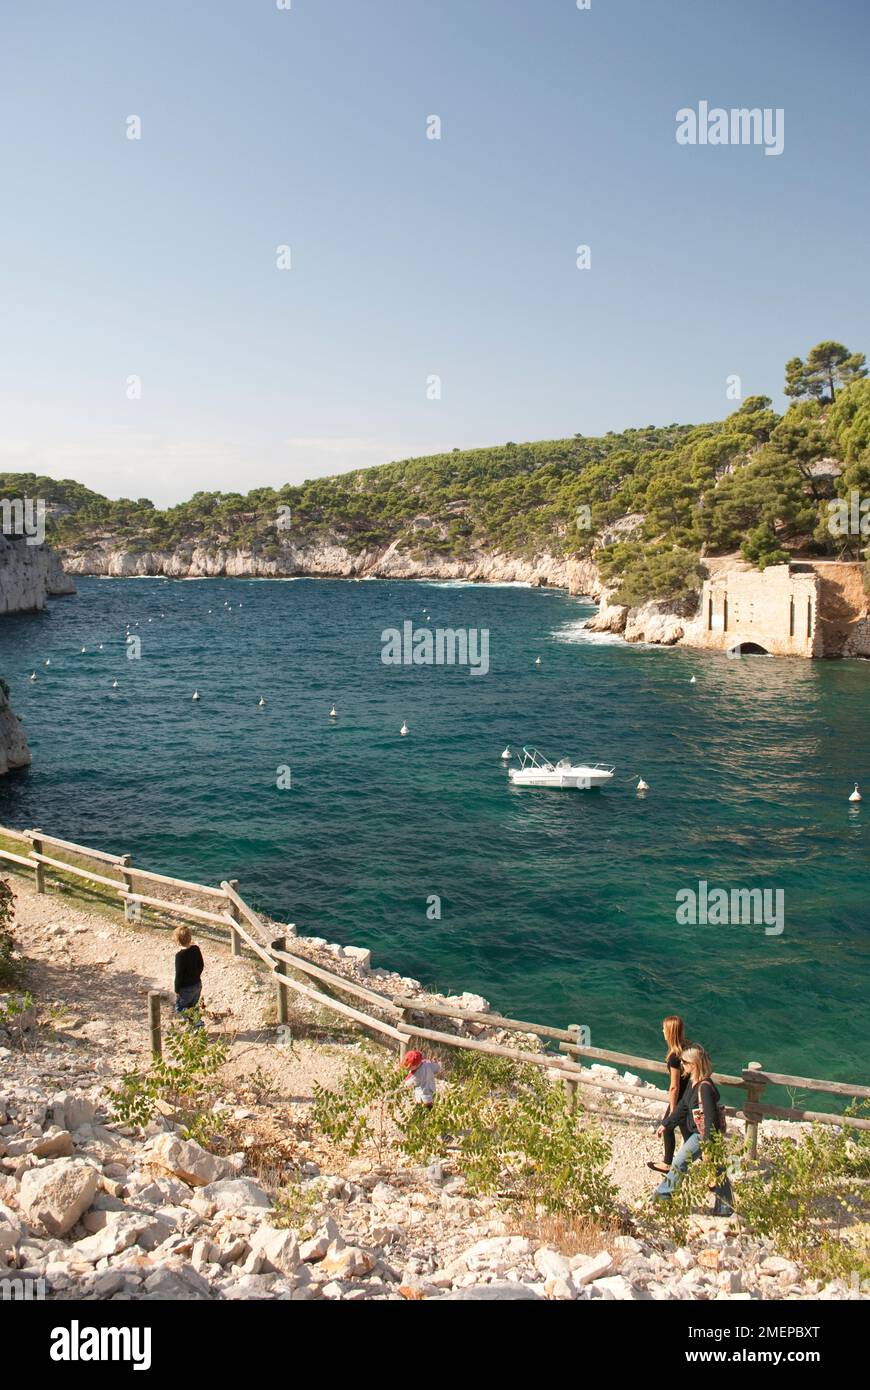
(29, 576)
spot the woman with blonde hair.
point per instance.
(703, 1113)
(674, 1034)
(189, 966)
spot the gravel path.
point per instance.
(100, 968)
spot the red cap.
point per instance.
(412, 1060)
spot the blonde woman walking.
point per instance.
(674, 1034)
(700, 1110)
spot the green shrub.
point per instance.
(802, 1197)
(511, 1131)
(371, 1103)
(182, 1082)
(296, 1209)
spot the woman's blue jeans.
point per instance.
(188, 997)
(682, 1158)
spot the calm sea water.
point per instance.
(557, 906)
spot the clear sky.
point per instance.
(307, 127)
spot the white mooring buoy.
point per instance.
(261, 702)
(195, 695)
(692, 681)
(404, 729)
(506, 754)
(333, 713)
(856, 795)
(642, 786)
(537, 661)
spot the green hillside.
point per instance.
(755, 481)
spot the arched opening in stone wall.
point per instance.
(748, 649)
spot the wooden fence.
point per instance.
(401, 1019)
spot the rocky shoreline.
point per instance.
(756, 604)
(14, 751)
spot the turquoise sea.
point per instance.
(557, 906)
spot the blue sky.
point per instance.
(410, 257)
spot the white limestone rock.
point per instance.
(235, 1194)
(584, 1270)
(278, 1249)
(56, 1194)
(188, 1160)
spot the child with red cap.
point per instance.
(422, 1076)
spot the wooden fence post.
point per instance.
(132, 911)
(405, 1044)
(280, 944)
(754, 1089)
(235, 939)
(569, 1083)
(36, 848)
(154, 998)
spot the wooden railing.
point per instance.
(401, 1018)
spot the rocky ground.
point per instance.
(96, 1210)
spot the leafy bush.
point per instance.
(14, 1009)
(183, 1082)
(511, 1130)
(371, 1104)
(296, 1209)
(801, 1196)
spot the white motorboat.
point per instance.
(537, 771)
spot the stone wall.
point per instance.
(806, 609)
(775, 610)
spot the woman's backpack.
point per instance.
(721, 1118)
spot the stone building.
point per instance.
(806, 608)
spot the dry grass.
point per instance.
(571, 1235)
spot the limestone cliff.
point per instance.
(331, 559)
(29, 576)
(14, 751)
(806, 608)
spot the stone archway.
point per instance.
(748, 649)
